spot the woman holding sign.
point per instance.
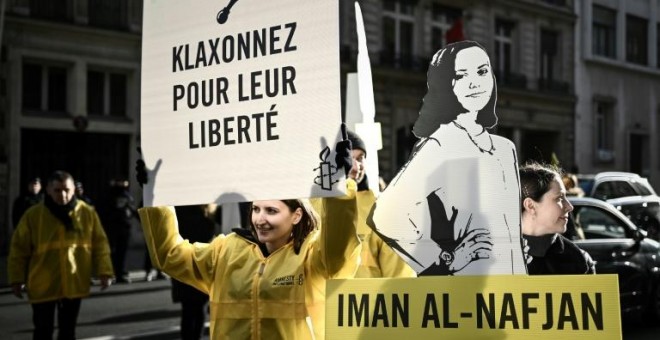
(263, 282)
(452, 209)
(545, 212)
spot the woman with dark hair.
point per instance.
(545, 212)
(452, 209)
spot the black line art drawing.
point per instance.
(453, 209)
(223, 14)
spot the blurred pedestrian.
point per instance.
(118, 215)
(56, 247)
(80, 193)
(545, 213)
(571, 183)
(30, 196)
(196, 224)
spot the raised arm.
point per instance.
(192, 264)
(338, 248)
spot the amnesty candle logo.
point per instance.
(289, 280)
(284, 280)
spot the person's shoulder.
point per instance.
(35, 208)
(81, 204)
(502, 141)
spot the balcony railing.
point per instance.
(554, 86)
(54, 10)
(403, 61)
(511, 80)
(108, 14)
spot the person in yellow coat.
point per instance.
(378, 260)
(56, 248)
(264, 282)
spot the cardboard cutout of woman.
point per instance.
(453, 209)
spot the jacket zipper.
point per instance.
(256, 329)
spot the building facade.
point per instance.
(618, 72)
(70, 81)
(69, 93)
(531, 45)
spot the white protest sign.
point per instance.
(240, 99)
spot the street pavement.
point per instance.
(144, 309)
(139, 310)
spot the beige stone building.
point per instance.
(618, 77)
(579, 79)
(69, 93)
(531, 44)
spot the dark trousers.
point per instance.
(43, 317)
(121, 241)
(193, 317)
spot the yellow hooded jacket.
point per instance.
(253, 296)
(378, 260)
(55, 263)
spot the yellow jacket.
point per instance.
(253, 296)
(377, 259)
(55, 263)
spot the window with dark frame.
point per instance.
(107, 93)
(32, 90)
(108, 13)
(442, 19)
(118, 92)
(95, 93)
(503, 46)
(604, 31)
(604, 122)
(636, 40)
(398, 33)
(44, 87)
(56, 10)
(657, 44)
(549, 55)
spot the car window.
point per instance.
(641, 189)
(614, 189)
(599, 224)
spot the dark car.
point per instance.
(619, 247)
(643, 211)
(630, 193)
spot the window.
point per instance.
(398, 32)
(442, 19)
(604, 32)
(503, 45)
(106, 93)
(636, 40)
(44, 87)
(604, 122)
(614, 189)
(58, 10)
(549, 54)
(108, 13)
(657, 44)
(598, 224)
(555, 2)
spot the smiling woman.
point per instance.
(462, 217)
(267, 281)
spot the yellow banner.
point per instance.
(475, 307)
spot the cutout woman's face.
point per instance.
(473, 82)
